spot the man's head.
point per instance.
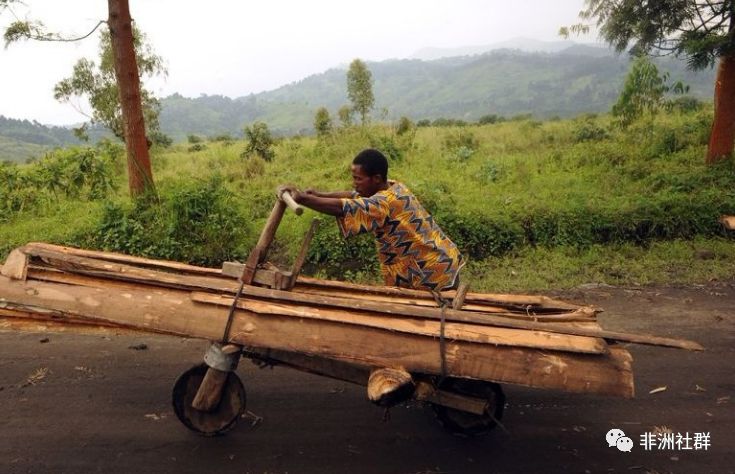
(369, 172)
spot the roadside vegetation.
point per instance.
(534, 205)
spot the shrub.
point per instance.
(404, 126)
(193, 222)
(589, 131)
(260, 141)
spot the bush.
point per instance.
(260, 141)
(388, 146)
(589, 131)
(462, 144)
(193, 222)
(404, 126)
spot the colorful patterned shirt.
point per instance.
(413, 250)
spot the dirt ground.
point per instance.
(94, 404)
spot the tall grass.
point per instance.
(556, 200)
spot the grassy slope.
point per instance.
(518, 167)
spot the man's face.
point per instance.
(364, 185)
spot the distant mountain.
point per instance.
(558, 82)
(521, 44)
(578, 79)
(23, 139)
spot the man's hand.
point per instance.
(292, 189)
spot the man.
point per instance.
(413, 250)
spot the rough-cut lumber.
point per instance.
(728, 222)
(340, 370)
(129, 273)
(173, 312)
(389, 386)
(114, 271)
(532, 304)
(455, 331)
(30, 249)
(16, 265)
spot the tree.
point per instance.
(99, 85)
(119, 23)
(322, 122)
(345, 116)
(360, 88)
(701, 31)
(260, 141)
(644, 91)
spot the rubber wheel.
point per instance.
(213, 423)
(463, 423)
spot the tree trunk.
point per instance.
(140, 176)
(723, 127)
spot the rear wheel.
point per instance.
(469, 424)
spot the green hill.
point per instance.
(579, 79)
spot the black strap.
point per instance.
(230, 317)
(443, 304)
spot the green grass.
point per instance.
(535, 205)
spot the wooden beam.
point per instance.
(16, 265)
(129, 273)
(122, 258)
(173, 312)
(454, 331)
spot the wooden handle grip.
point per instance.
(297, 208)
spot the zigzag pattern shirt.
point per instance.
(413, 250)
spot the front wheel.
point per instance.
(210, 423)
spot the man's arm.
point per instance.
(334, 194)
(326, 205)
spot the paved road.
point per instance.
(100, 406)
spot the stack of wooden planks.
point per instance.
(528, 340)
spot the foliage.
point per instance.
(322, 122)
(643, 92)
(74, 173)
(405, 125)
(260, 141)
(697, 31)
(345, 116)
(566, 84)
(360, 89)
(193, 222)
(461, 143)
(531, 190)
(98, 83)
(588, 130)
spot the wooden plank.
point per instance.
(728, 222)
(459, 332)
(301, 257)
(16, 265)
(129, 273)
(123, 258)
(113, 271)
(173, 312)
(536, 303)
(356, 374)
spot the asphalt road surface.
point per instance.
(77, 404)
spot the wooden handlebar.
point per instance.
(296, 207)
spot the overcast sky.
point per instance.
(237, 47)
